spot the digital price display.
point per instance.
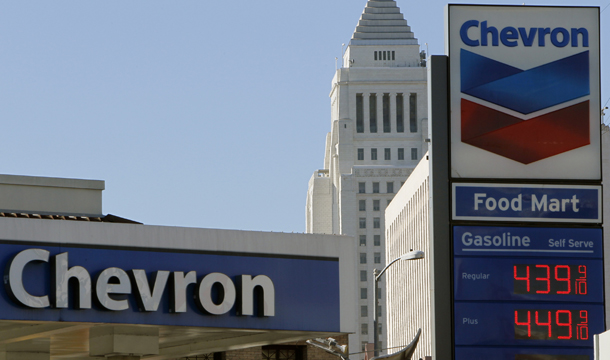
(527, 324)
(535, 290)
(564, 280)
(552, 357)
(523, 353)
(550, 279)
(544, 324)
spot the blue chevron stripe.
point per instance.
(525, 91)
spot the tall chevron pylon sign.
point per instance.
(524, 92)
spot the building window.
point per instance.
(364, 311)
(363, 258)
(363, 293)
(377, 240)
(363, 343)
(376, 223)
(401, 154)
(393, 55)
(362, 240)
(282, 352)
(388, 203)
(363, 275)
(359, 113)
(375, 54)
(413, 153)
(375, 188)
(379, 329)
(373, 113)
(377, 258)
(361, 187)
(384, 55)
(387, 154)
(390, 187)
(413, 112)
(373, 154)
(379, 311)
(360, 154)
(386, 113)
(362, 205)
(375, 205)
(364, 329)
(400, 119)
(363, 223)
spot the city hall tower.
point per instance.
(377, 137)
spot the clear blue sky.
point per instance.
(195, 113)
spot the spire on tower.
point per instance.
(382, 23)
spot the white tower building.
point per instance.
(378, 132)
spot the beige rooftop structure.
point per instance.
(47, 195)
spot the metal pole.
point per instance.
(375, 314)
(412, 255)
(440, 230)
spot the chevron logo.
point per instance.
(525, 91)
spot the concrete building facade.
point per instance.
(378, 131)
(408, 295)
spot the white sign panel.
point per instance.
(524, 92)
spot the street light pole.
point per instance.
(411, 255)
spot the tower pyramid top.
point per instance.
(382, 23)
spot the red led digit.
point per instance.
(583, 328)
(547, 279)
(566, 279)
(545, 324)
(581, 282)
(582, 270)
(583, 332)
(528, 323)
(526, 278)
(581, 286)
(567, 324)
(584, 314)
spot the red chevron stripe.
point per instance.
(525, 141)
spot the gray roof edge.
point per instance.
(52, 182)
(383, 42)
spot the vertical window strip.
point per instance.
(413, 112)
(400, 124)
(373, 113)
(359, 113)
(386, 113)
